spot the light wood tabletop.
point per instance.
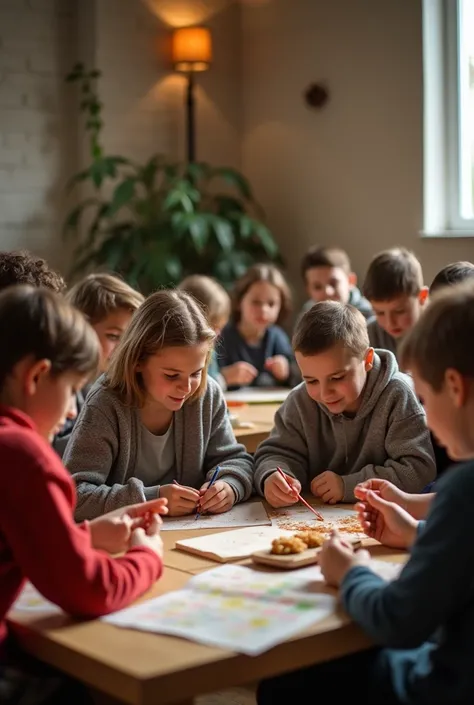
(260, 419)
(142, 668)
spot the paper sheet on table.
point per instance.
(254, 395)
(232, 545)
(30, 600)
(246, 514)
(299, 518)
(234, 608)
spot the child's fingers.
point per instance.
(221, 506)
(188, 493)
(211, 498)
(154, 525)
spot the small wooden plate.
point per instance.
(291, 561)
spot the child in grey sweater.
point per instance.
(354, 417)
(155, 425)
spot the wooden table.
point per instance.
(142, 668)
(261, 417)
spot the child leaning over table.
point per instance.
(354, 417)
(48, 351)
(155, 425)
(423, 647)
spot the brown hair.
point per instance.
(21, 267)
(443, 337)
(168, 318)
(453, 273)
(392, 273)
(97, 295)
(38, 322)
(209, 294)
(325, 257)
(262, 273)
(330, 323)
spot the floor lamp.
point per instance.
(192, 53)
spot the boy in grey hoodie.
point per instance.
(354, 417)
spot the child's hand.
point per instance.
(219, 498)
(181, 500)
(279, 367)
(337, 557)
(111, 532)
(385, 489)
(153, 542)
(386, 522)
(280, 492)
(239, 374)
(328, 486)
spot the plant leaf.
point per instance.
(223, 232)
(238, 181)
(266, 239)
(123, 194)
(73, 219)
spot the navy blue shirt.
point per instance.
(426, 616)
(232, 348)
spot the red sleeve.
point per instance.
(54, 553)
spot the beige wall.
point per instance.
(37, 128)
(350, 174)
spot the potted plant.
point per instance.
(162, 220)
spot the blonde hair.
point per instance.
(97, 295)
(168, 318)
(329, 323)
(262, 273)
(210, 294)
(392, 273)
(443, 337)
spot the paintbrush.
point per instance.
(297, 494)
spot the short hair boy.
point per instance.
(108, 303)
(22, 267)
(394, 286)
(216, 302)
(328, 276)
(354, 417)
(454, 273)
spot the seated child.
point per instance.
(328, 276)
(47, 352)
(108, 303)
(22, 267)
(354, 417)
(216, 302)
(253, 349)
(155, 420)
(394, 287)
(423, 647)
(454, 273)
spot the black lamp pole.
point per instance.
(190, 123)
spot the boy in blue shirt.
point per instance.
(423, 622)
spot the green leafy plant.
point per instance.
(161, 221)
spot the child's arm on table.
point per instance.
(285, 448)
(57, 556)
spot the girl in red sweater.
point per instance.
(47, 352)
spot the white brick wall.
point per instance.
(38, 131)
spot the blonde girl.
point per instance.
(253, 349)
(154, 425)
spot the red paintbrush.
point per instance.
(297, 494)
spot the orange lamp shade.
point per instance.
(192, 49)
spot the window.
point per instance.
(448, 46)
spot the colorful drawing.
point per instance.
(299, 518)
(234, 608)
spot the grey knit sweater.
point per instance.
(387, 438)
(104, 447)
